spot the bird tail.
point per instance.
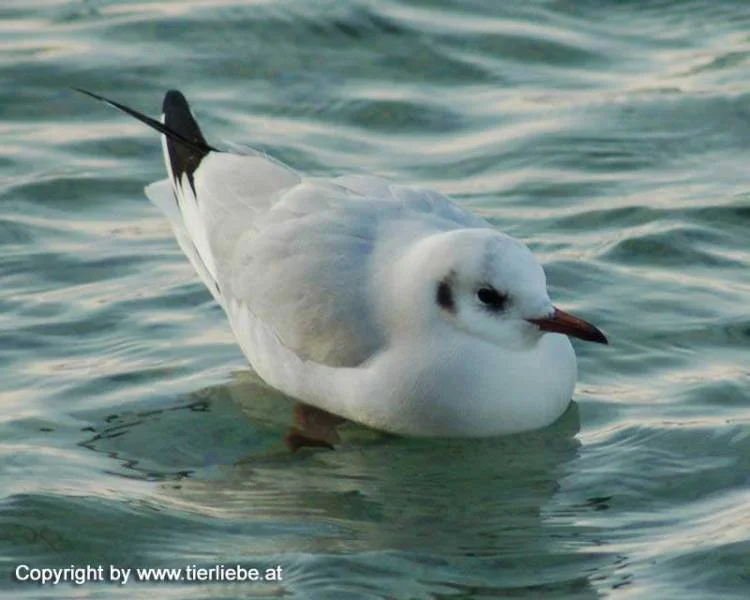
(185, 149)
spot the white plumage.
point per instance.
(384, 304)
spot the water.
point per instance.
(613, 137)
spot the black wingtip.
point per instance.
(184, 159)
(197, 144)
(174, 100)
(92, 94)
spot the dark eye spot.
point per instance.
(492, 299)
(444, 296)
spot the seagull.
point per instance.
(366, 300)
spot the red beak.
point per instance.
(565, 323)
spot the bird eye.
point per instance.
(493, 299)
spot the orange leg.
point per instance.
(315, 428)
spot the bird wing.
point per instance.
(304, 266)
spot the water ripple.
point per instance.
(611, 136)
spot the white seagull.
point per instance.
(382, 304)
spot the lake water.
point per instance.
(612, 136)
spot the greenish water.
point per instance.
(613, 137)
